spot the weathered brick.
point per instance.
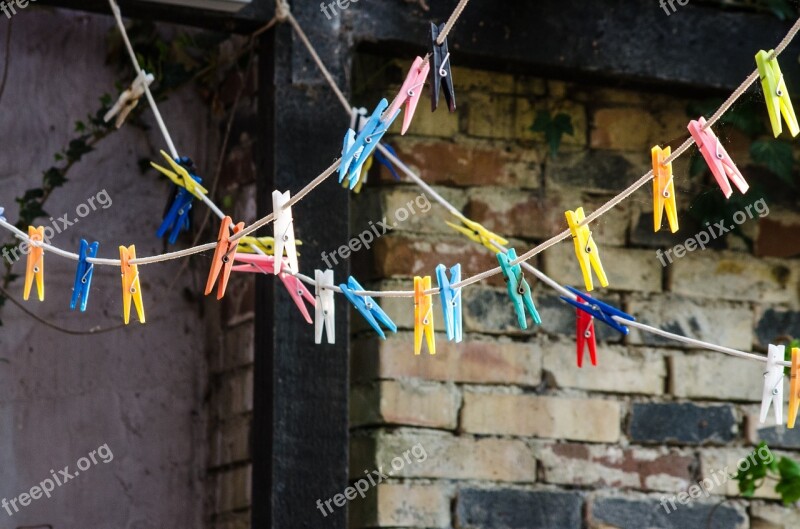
(491, 115)
(401, 256)
(411, 402)
(490, 311)
(234, 394)
(231, 489)
(775, 324)
(771, 516)
(403, 505)
(627, 269)
(560, 318)
(519, 509)
(527, 111)
(778, 235)
(405, 208)
(723, 323)
(724, 462)
(620, 369)
(448, 457)
(533, 416)
(636, 512)
(472, 362)
(433, 124)
(472, 80)
(674, 423)
(698, 375)
(642, 233)
(230, 442)
(774, 435)
(530, 86)
(624, 129)
(512, 213)
(611, 466)
(595, 171)
(237, 350)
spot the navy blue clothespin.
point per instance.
(83, 276)
(367, 307)
(599, 310)
(383, 160)
(441, 73)
(451, 301)
(358, 147)
(177, 217)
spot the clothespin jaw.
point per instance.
(131, 284)
(265, 264)
(773, 384)
(325, 310)
(441, 73)
(776, 94)
(129, 99)
(177, 218)
(222, 264)
(663, 189)
(423, 315)
(35, 264)
(477, 233)
(411, 91)
(586, 249)
(451, 301)
(180, 176)
(367, 307)
(717, 158)
(284, 231)
(794, 387)
(83, 275)
(599, 310)
(518, 289)
(585, 335)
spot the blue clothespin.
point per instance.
(599, 310)
(83, 277)
(383, 160)
(518, 289)
(451, 301)
(177, 217)
(1, 215)
(367, 307)
(357, 148)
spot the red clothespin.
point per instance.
(585, 335)
(717, 158)
(223, 258)
(411, 92)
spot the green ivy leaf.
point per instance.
(554, 128)
(789, 485)
(775, 156)
(54, 177)
(752, 477)
(77, 148)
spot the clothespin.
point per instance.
(83, 276)
(518, 289)
(586, 249)
(223, 258)
(129, 99)
(179, 206)
(794, 387)
(325, 310)
(265, 244)
(35, 263)
(451, 301)
(367, 307)
(284, 231)
(411, 91)
(477, 233)
(265, 264)
(663, 189)
(773, 384)
(717, 158)
(357, 148)
(423, 315)
(585, 335)
(441, 73)
(180, 176)
(131, 284)
(1, 214)
(599, 310)
(383, 160)
(776, 94)
(362, 175)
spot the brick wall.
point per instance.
(516, 435)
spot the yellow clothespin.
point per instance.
(477, 233)
(663, 189)
(776, 94)
(131, 286)
(586, 249)
(35, 264)
(265, 244)
(362, 178)
(180, 177)
(794, 387)
(423, 315)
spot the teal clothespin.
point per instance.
(518, 288)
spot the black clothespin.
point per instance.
(441, 74)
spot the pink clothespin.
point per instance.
(717, 158)
(411, 92)
(265, 264)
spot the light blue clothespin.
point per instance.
(83, 276)
(357, 148)
(518, 288)
(367, 307)
(451, 301)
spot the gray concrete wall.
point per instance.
(139, 389)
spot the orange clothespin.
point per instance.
(586, 249)
(423, 315)
(663, 189)
(223, 258)
(35, 263)
(794, 388)
(131, 285)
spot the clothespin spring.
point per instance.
(442, 70)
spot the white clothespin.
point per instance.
(129, 99)
(773, 384)
(284, 232)
(324, 314)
